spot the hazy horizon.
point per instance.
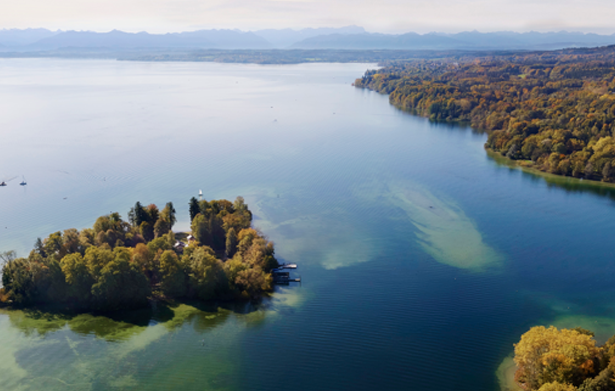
(388, 16)
(315, 28)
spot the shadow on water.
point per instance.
(443, 124)
(153, 348)
(122, 325)
(569, 184)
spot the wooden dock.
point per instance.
(285, 281)
(283, 278)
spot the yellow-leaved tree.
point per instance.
(548, 355)
(555, 386)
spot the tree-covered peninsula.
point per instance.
(549, 359)
(553, 111)
(121, 265)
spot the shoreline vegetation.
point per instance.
(120, 265)
(551, 111)
(568, 182)
(551, 359)
(245, 56)
(384, 57)
(265, 56)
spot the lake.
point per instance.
(422, 259)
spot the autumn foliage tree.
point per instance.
(550, 359)
(119, 265)
(554, 111)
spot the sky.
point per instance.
(385, 16)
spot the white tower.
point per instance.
(200, 195)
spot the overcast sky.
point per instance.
(389, 16)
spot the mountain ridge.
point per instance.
(469, 40)
(344, 38)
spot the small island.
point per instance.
(551, 359)
(118, 265)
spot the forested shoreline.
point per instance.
(120, 264)
(243, 56)
(552, 111)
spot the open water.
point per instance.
(422, 259)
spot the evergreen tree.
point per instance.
(138, 215)
(169, 214)
(231, 243)
(147, 231)
(39, 247)
(194, 208)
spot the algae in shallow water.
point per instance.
(506, 375)
(602, 327)
(84, 352)
(179, 347)
(444, 230)
(12, 342)
(317, 230)
(570, 314)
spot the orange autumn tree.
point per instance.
(553, 111)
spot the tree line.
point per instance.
(553, 111)
(120, 264)
(549, 359)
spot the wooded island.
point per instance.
(553, 111)
(121, 265)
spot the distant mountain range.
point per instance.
(285, 38)
(17, 38)
(223, 39)
(472, 40)
(350, 37)
(42, 39)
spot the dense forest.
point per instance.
(549, 359)
(552, 111)
(120, 264)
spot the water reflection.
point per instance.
(123, 325)
(166, 345)
(569, 184)
(114, 357)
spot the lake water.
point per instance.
(422, 259)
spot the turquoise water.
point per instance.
(422, 259)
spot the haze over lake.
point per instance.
(422, 259)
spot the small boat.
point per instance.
(23, 182)
(287, 266)
(3, 183)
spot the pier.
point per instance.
(283, 278)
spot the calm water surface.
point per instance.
(422, 259)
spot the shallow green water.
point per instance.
(422, 259)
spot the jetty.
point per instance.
(283, 278)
